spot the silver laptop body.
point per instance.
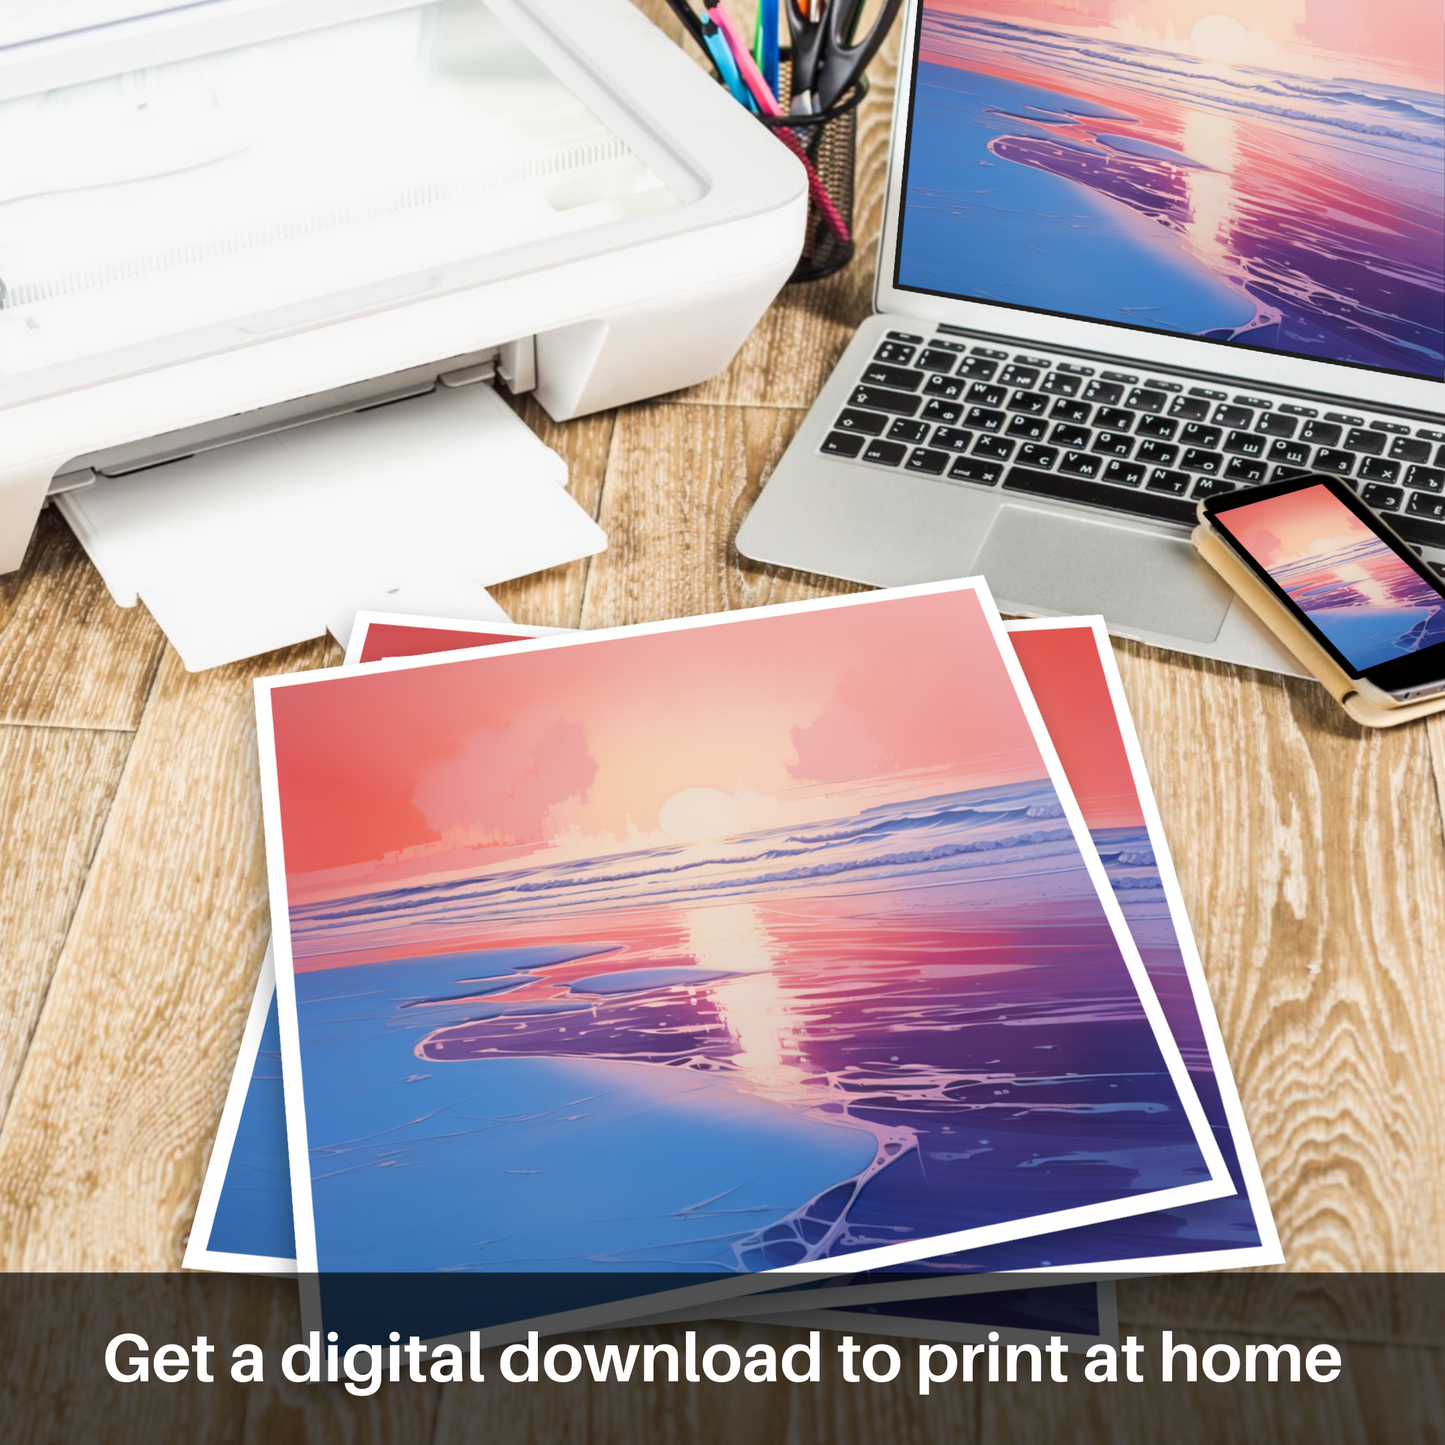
(1062, 456)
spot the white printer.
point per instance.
(225, 219)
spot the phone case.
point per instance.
(1341, 686)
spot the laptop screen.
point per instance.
(1253, 174)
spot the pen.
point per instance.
(767, 103)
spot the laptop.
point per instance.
(1126, 264)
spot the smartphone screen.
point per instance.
(1358, 589)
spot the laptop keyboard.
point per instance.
(1055, 427)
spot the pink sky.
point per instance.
(804, 715)
(1405, 36)
(1285, 529)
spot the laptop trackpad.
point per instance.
(1038, 559)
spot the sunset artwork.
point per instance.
(713, 948)
(1363, 596)
(1265, 173)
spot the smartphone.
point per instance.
(1338, 569)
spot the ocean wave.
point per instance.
(1336, 105)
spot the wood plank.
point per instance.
(56, 786)
(554, 598)
(706, 1413)
(679, 482)
(1314, 871)
(102, 1150)
(1381, 1395)
(69, 657)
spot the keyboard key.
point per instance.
(1113, 418)
(1390, 426)
(1254, 401)
(1189, 408)
(1322, 433)
(982, 394)
(878, 398)
(1124, 474)
(1430, 434)
(955, 439)
(904, 430)
(905, 336)
(976, 368)
(1015, 375)
(1421, 504)
(973, 469)
(895, 353)
(1112, 444)
(1381, 498)
(1419, 530)
(1209, 395)
(1032, 456)
(949, 387)
(867, 422)
(1037, 361)
(1289, 474)
(998, 448)
(1075, 411)
(935, 360)
(1144, 398)
(982, 419)
(1372, 443)
(1196, 459)
(1127, 377)
(1426, 479)
(1440, 457)
(1344, 418)
(1070, 436)
(1210, 487)
(1060, 383)
(1245, 469)
(989, 351)
(1081, 464)
(1332, 459)
(886, 454)
(1161, 480)
(1195, 435)
(1235, 416)
(877, 374)
(1162, 427)
(1377, 469)
(1293, 410)
(1407, 449)
(1274, 425)
(931, 462)
(1292, 454)
(1080, 489)
(1031, 428)
(938, 410)
(1035, 403)
(1156, 454)
(1107, 392)
(944, 345)
(1245, 444)
(843, 444)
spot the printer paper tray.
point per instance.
(416, 506)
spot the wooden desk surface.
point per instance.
(133, 908)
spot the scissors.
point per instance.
(828, 56)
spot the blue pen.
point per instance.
(727, 67)
(768, 30)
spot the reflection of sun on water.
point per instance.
(1211, 139)
(754, 1008)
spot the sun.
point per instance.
(1220, 37)
(693, 814)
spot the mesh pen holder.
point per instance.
(826, 143)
